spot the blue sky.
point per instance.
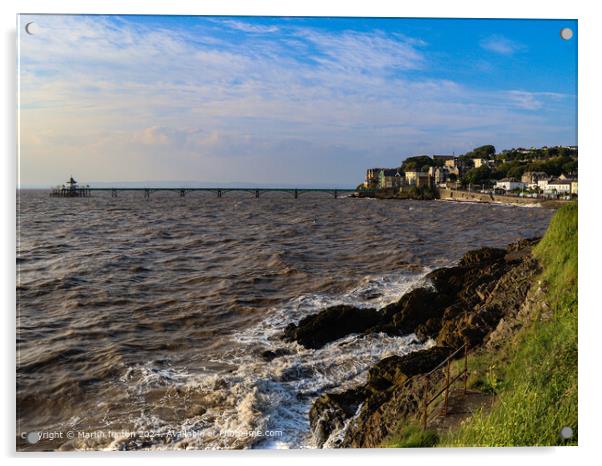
(290, 101)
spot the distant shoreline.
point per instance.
(486, 198)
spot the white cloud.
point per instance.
(501, 45)
(101, 96)
(373, 51)
(251, 28)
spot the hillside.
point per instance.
(534, 374)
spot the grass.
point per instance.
(412, 436)
(535, 374)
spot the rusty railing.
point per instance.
(449, 381)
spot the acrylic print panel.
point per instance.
(264, 232)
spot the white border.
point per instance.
(590, 144)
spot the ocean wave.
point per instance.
(275, 396)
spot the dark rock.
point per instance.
(523, 243)
(467, 302)
(507, 294)
(448, 280)
(296, 373)
(393, 391)
(316, 330)
(520, 250)
(482, 256)
(413, 309)
(394, 370)
(429, 329)
(330, 411)
(375, 421)
(390, 379)
(270, 355)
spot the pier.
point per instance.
(70, 189)
(74, 190)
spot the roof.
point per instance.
(559, 182)
(390, 171)
(535, 173)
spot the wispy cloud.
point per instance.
(373, 51)
(533, 100)
(249, 27)
(501, 45)
(101, 95)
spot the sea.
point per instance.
(143, 324)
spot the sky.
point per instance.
(282, 101)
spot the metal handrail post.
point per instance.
(446, 388)
(465, 364)
(425, 402)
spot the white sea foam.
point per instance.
(276, 396)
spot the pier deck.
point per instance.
(257, 192)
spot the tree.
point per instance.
(482, 152)
(569, 167)
(516, 171)
(480, 175)
(416, 163)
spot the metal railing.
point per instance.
(427, 399)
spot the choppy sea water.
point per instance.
(141, 323)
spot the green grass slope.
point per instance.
(535, 374)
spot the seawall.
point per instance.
(465, 196)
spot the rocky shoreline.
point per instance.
(463, 303)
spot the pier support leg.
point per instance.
(257, 194)
(219, 193)
(296, 194)
(114, 193)
(182, 192)
(336, 194)
(147, 193)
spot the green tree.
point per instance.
(480, 175)
(569, 167)
(516, 171)
(417, 163)
(482, 152)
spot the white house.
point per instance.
(558, 186)
(509, 184)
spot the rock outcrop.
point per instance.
(464, 303)
(335, 322)
(377, 403)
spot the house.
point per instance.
(417, 179)
(574, 187)
(372, 176)
(455, 171)
(509, 184)
(451, 163)
(558, 186)
(532, 179)
(389, 178)
(522, 150)
(543, 184)
(457, 166)
(441, 175)
(438, 174)
(479, 162)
